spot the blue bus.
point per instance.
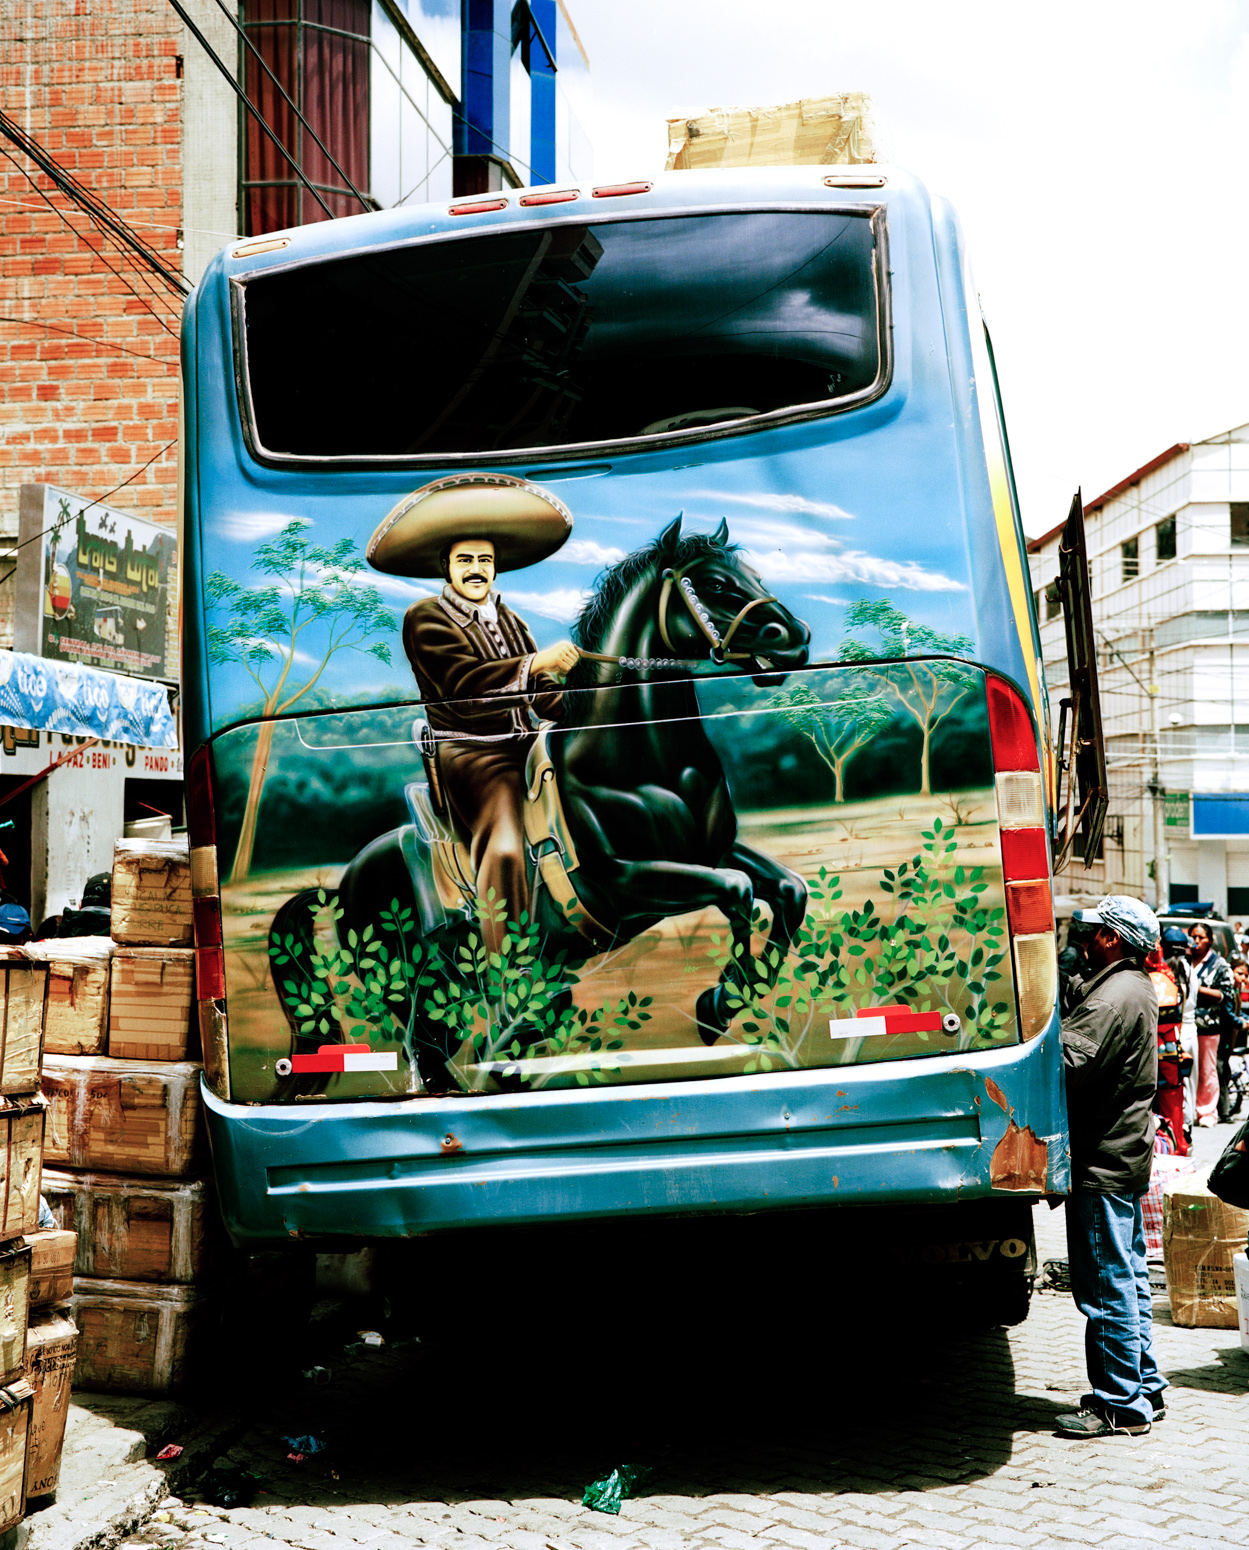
(613, 789)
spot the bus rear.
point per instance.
(687, 850)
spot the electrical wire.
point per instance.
(91, 203)
(97, 252)
(108, 344)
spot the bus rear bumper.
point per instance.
(948, 1129)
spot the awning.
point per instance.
(83, 702)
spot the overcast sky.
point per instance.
(1097, 154)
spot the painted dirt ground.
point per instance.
(854, 855)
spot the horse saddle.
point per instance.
(552, 852)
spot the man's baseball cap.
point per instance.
(1133, 921)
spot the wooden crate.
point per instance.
(135, 1229)
(153, 997)
(14, 1303)
(51, 1347)
(124, 1116)
(152, 894)
(76, 1019)
(16, 1399)
(135, 1337)
(24, 985)
(21, 1156)
(51, 1263)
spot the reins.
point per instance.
(719, 644)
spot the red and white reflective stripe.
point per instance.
(345, 1057)
(877, 1022)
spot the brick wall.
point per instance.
(97, 83)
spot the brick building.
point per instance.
(196, 122)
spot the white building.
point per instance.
(1169, 559)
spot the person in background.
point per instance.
(1216, 1004)
(1110, 1056)
(1169, 1098)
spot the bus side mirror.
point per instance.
(1081, 815)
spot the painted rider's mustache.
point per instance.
(467, 579)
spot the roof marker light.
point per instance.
(555, 197)
(615, 190)
(855, 180)
(478, 206)
(265, 245)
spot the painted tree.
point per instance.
(928, 687)
(285, 633)
(838, 728)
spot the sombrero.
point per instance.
(525, 524)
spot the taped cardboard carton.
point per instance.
(24, 988)
(51, 1263)
(76, 1016)
(138, 1338)
(1201, 1235)
(21, 1162)
(137, 1229)
(150, 1010)
(151, 896)
(51, 1347)
(814, 131)
(16, 1400)
(124, 1116)
(14, 1308)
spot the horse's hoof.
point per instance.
(711, 1019)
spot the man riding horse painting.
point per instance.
(481, 675)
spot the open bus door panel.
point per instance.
(1080, 809)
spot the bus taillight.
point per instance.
(210, 985)
(1025, 855)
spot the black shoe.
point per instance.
(1159, 1407)
(1095, 1422)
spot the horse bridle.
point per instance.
(675, 580)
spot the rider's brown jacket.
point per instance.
(475, 674)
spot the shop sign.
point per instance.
(1177, 809)
(94, 585)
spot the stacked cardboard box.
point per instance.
(1201, 1236)
(36, 985)
(126, 1143)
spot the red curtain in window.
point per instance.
(327, 75)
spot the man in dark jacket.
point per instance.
(1110, 1051)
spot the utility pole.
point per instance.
(1162, 854)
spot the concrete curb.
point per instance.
(101, 1514)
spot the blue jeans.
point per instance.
(1110, 1286)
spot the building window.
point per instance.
(1130, 557)
(1165, 538)
(375, 101)
(1240, 524)
(319, 51)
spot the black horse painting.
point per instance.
(646, 804)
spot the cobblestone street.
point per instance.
(756, 1432)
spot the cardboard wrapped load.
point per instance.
(15, 1408)
(815, 131)
(51, 1346)
(21, 1158)
(14, 1302)
(1200, 1237)
(135, 1229)
(51, 1264)
(153, 997)
(76, 1019)
(24, 985)
(152, 893)
(138, 1338)
(124, 1116)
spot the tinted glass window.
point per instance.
(536, 337)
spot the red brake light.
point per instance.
(1025, 854)
(201, 820)
(615, 190)
(1010, 728)
(554, 198)
(478, 206)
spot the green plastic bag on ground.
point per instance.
(606, 1495)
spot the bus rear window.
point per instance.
(577, 333)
